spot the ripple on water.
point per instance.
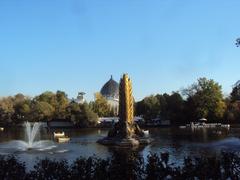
(228, 143)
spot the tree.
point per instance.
(6, 110)
(19, 98)
(232, 114)
(58, 101)
(41, 111)
(14, 109)
(21, 108)
(235, 94)
(237, 42)
(174, 108)
(206, 99)
(149, 107)
(61, 105)
(101, 106)
(88, 117)
(48, 97)
(81, 114)
(165, 106)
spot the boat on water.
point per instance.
(182, 127)
(146, 133)
(218, 132)
(63, 139)
(58, 134)
(202, 123)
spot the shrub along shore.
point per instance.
(125, 166)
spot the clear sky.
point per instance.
(76, 45)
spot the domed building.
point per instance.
(110, 91)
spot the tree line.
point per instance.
(202, 99)
(52, 106)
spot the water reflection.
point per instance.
(126, 162)
(178, 142)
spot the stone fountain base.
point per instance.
(124, 134)
(124, 142)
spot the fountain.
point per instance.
(125, 133)
(30, 144)
(31, 133)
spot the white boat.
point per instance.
(218, 132)
(58, 134)
(202, 123)
(146, 132)
(182, 127)
(206, 125)
(63, 139)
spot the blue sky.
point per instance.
(75, 45)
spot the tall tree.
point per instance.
(88, 117)
(81, 114)
(101, 106)
(235, 94)
(48, 97)
(232, 114)
(206, 99)
(174, 108)
(22, 108)
(58, 101)
(6, 110)
(149, 107)
(41, 111)
(61, 105)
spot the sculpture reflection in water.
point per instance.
(126, 164)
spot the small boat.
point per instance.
(1, 128)
(218, 132)
(182, 127)
(63, 139)
(146, 132)
(58, 134)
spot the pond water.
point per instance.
(178, 142)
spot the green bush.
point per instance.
(125, 165)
